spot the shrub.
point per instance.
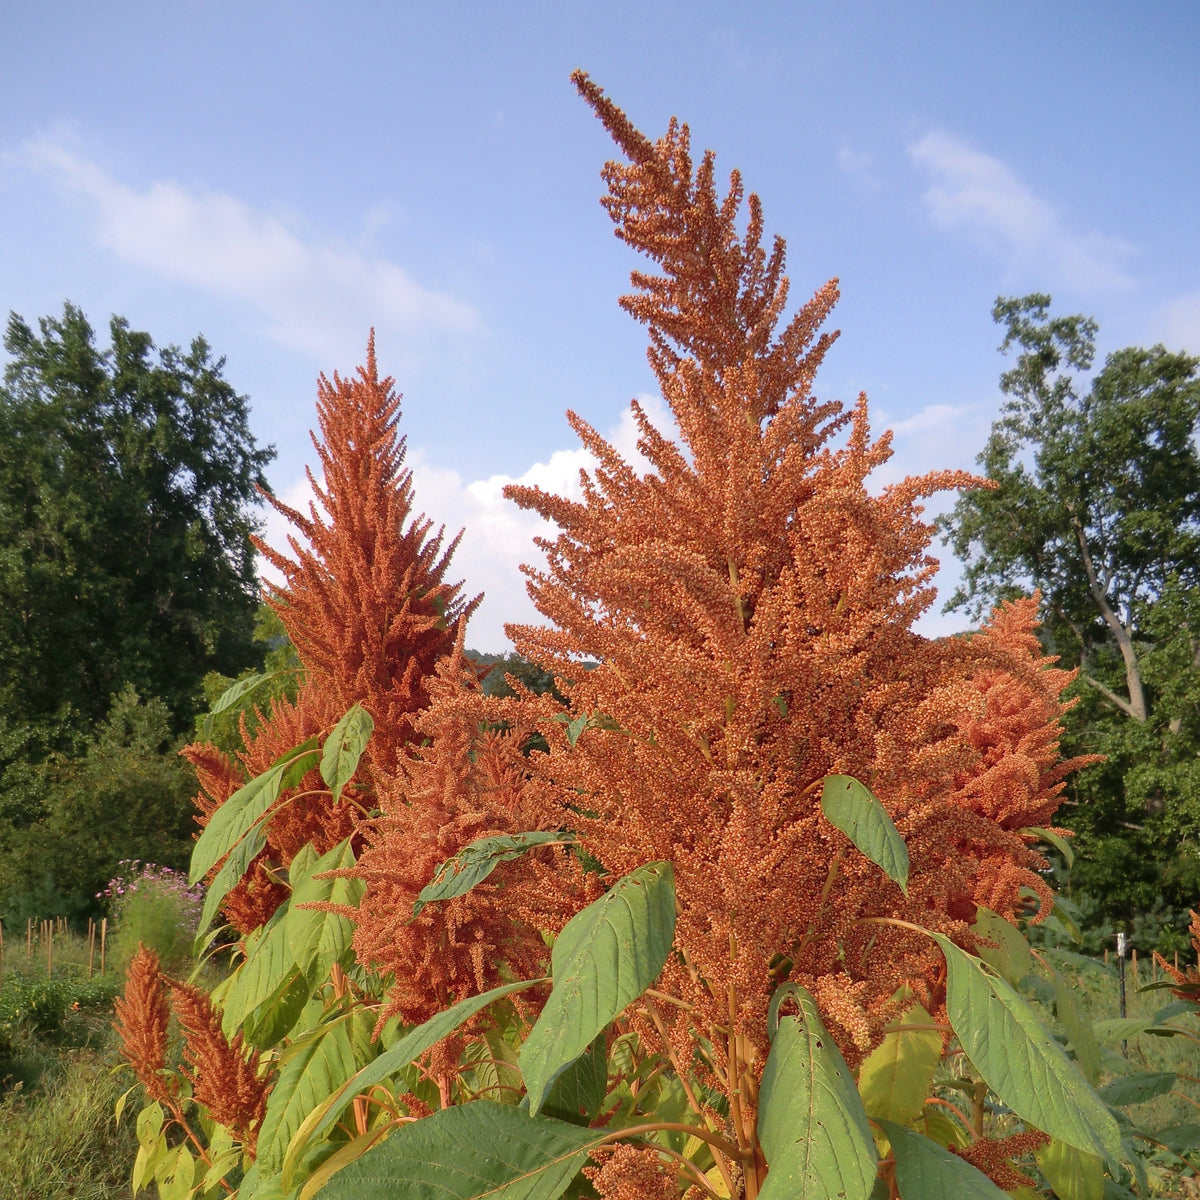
(152, 905)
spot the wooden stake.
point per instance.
(1134, 957)
(49, 948)
(103, 940)
(1106, 956)
(29, 937)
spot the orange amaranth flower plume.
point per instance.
(368, 610)
(225, 1080)
(142, 1016)
(364, 597)
(465, 782)
(749, 605)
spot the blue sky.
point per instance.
(283, 176)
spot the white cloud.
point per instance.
(320, 299)
(498, 536)
(976, 192)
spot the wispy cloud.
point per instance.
(498, 536)
(312, 297)
(976, 192)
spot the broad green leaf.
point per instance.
(1181, 1138)
(1011, 955)
(854, 810)
(175, 1174)
(230, 875)
(474, 863)
(942, 1129)
(604, 958)
(278, 1015)
(1136, 1089)
(321, 1067)
(344, 747)
(317, 938)
(576, 1095)
(269, 962)
(1073, 1174)
(235, 818)
(407, 1050)
(1020, 1060)
(894, 1081)
(1056, 840)
(233, 695)
(811, 1123)
(1174, 1009)
(467, 1152)
(1078, 1028)
(925, 1171)
(575, 729)
(1120, 1029)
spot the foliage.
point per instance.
(746, 925)
(1097, 505)
(152, 905)
(64, 1144)
(124, 520)
(126, 794)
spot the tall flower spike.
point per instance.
(142, 1016)
(224, 1079)
(364, 597)
(749, 605)
(368, 610)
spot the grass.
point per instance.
(58, 1138)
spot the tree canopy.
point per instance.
(127, 480)
(1097, 505)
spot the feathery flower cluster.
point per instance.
(464, 782)
(367, 607)
(227, 1081)
(142, 1016)
(749, 603)
(224, 1079)
(993, 1156)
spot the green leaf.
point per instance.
(603, 959)
(269, 962)
(344, 747)
(895, 1079)
(851, 807)
(1020, 1060)
(241, 812)
(1056, 840)
(474, 863)
(576, 1095)
(320, 1067)
(317, 938)
(1011, 955)
(407, 1050)
(811, 1123)
(470, 1151)
(1072, 1173)
(230, 875)
(1136, 1089)
(233, 695)
(277, 1016)
(1078, 1028)
(575, 729)
(1121, 1029)
(924, 1171)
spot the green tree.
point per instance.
(127, 479)
(1097, 504)
(127, 796)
